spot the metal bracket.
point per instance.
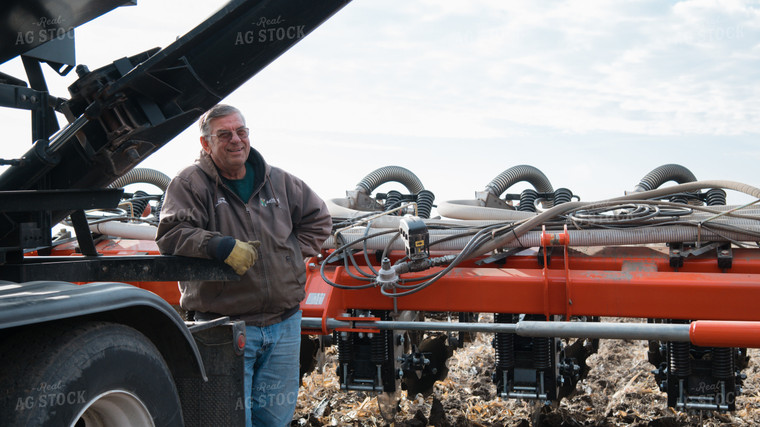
(501, 257)
(548, 241)
(544, 253)
(353, 328)
(725, 256)
(84, 236)
(676, 255)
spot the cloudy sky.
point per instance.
(593, 93)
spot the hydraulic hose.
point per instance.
(663, 174)
(144, 175)
(516, 174)
(729, 222)
(339, 208)
(388, 174)
(556, 211)
(562, 195)
(425, 200)
(672, 226)
(638, 219)
(139, 202)
(736, 215)
(393, 200)
(147, 176)
(473, 210)
(346, 207)
(528, 199)
(125, 230)
(455, 240)
(715, 197)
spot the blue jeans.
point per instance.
(272, 355)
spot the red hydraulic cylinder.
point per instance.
(715, 333)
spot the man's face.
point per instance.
(229, 156)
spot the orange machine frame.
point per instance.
(634, 282)
(169, 291)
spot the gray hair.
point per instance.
(219, 110)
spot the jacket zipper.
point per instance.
(249, 212)
(265, 282)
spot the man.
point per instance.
(234, 207)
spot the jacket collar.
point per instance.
(260, 166)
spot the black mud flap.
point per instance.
(220, 401)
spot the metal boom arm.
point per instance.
(123, 112)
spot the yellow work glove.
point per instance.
(243, 256)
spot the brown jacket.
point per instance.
(283, 213)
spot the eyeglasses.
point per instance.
(226, 136)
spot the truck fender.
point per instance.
(33, 303)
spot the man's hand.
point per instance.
(243, 256)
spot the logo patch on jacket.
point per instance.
(265, 203)
(220, 201)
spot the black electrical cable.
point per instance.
(471, 245)
(403, 281)
(348, 255)
(712, 226)
(637, 214)
(366, 252)
(348, 222)
(339, 250)
(626, 214)
(387, 247)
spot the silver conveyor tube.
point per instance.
(567, 207)
(638, 236)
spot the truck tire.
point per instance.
(85, 374)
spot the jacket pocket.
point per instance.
(293, 291)
(202, 296)
(298, 270)
(212, 290)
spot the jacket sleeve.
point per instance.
(312, 223)
(183, 229)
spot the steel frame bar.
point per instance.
(666, 295)
(632, 282)
(701, 332)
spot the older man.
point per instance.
(262, 221)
